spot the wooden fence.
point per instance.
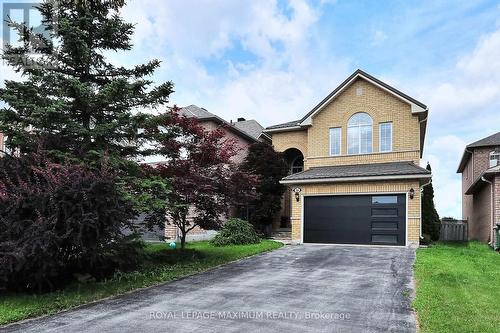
(454, 231)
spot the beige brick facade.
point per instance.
(380, 105)
(294, 139)
(413, 213)
(313, 142)
(383, 107)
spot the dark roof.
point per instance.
(248, 131)
(492, 140)
(360, 170)
(489, 141)
(285, 125)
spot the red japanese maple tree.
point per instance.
(205, 181)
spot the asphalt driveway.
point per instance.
(294, 289)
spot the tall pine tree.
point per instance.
(73, 100)
(431, 223)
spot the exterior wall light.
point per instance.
(296, 191)
(412, 193)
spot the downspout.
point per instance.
(421, 121)
(421, 217)
(422, 187)
(492, 210)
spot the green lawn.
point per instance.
(458, 288)
(163, 265)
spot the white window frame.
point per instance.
(330, 139)
(359, 134)
(496, 154)
(380, 137)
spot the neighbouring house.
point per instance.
(243, 132)
(355, 175)
(480, 169)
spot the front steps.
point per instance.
(283, 235)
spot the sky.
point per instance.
(273, 60)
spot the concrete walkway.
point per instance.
(307, 288)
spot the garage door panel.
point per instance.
(355, 219)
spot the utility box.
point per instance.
(497, 236)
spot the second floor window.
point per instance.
(494, 158)
(385, 137)
(359, 134)
(335, 134)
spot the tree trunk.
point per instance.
(183, 240)
(183, 231)
(268, 230)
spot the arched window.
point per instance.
(359, 134)
(297, 164)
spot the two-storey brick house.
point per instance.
(480, 169)
(355, 174)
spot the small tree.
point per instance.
(263, 161)
(204, 180)
(430, 217)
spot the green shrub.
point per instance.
(236, 231)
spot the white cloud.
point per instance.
(378, 38)
(443, 153)
(473, 86)
(464, 106)
(287, 74)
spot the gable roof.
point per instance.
(392, 170)
(417, 107)
(251, 130)
(489, 141)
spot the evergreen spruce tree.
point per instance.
(73, 100)
(431, 223)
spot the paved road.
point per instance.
(306, 288)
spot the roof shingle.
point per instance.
(251, 127)
(284, 125)
(492, 140)
(195, 111)
(360, 170)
